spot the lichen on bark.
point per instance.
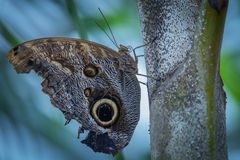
(187, 103)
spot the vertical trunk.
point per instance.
(187, 103)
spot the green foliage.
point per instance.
(76, 18)
(230, 73)
(119, 156)
(8, 35)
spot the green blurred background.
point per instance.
(30, 128)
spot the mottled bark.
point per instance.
(187, 103)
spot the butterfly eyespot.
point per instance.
(105, 112)
(90, 70)
(87, 92)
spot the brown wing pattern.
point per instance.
(88, 82)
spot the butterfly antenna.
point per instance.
(114, 40)
(106, 34)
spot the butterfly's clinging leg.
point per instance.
(135, 56)
(142, 55)
(147, 76)
(143, 83)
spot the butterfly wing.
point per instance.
(88, 82)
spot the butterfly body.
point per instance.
(88, 82)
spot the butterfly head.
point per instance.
(124, 49)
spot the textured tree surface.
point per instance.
(187, 103)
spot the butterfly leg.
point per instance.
(142, 55)
(80, 130)
(143, 83)
(135, 56)
(143, 75)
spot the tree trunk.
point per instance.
(187, 102)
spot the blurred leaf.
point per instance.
(58, 2)
(230, 73)
(113, 20)
(147, 156)
(119, 156)
(79, 23)
(87, 23)
(8, 35)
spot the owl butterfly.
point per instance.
(88, 82)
